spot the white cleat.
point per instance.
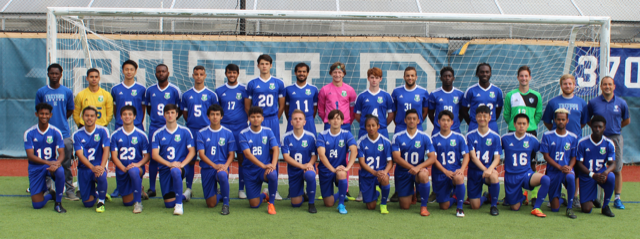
(242, 194)
(278, 197)
(177, 210)
(359, 198)
(137, 207)
(187, 195)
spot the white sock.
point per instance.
(100, 201)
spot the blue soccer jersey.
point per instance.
(336, 147)
(450, 151)
(217, 144)
(413, 148)
(44, 144)
(299, 148)
(518, 152)
(559, 147)
(91, 144)
(133, 95)
(259, 143)
(376, 153)
(486, 146)
(377, 104)
(440, 100)
(172, 146)
(405, 99)
(594, 156)
(232, 102)
(265, 94)
(196, 104)
(302, 98)
(61, 100)
(477, 96)
(157, 98)
(577, 108)
(130, 146)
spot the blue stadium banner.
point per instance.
(623, 67)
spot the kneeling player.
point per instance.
(42, 142)
(559, 150)
(452, 150)
(91, 143)
(216, 147)
(592, 168)
(519, 147)
(409, 148)
(374, 156)
(256, 142)
(299, 151)
(129, 146)
(333, 145)
(485, 151)
(172, 147)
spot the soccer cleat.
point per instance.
(100, 207)
(305, 197)
(71, 196)
(570, 213)
(504, 202)
(537, 212)
(242, 194)
(379, 194)
(466, 202)
(348, 197)
(459, 213)
(151, 193)
(225, 210)
(187, 195)
(486, 195)
(607, 211)
(59, 209)
(271, 209)
(432, 198)
(143, 194)
(418, 199)
(177, 210)
(265, 191)
(526, 199)
(494, 211)
(414, 199)
(359, 198)
(576, 203)
(107, 198)
(137, 207)
(78, 194)
(564, 197)
(312, 208)
(424, 212)
(618, 204)
(383, 209)
(597, 204)
(278, 197)
(394, 197)
(342, 209)
(116, 193)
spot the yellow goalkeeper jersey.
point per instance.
(101, 100)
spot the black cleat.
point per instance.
(494, 211)
(225, 210)
(395, 198)
(607, 211)
(151, 193)
(504, 202)
(59, 209)
(570, 213)
(312, 208)
(597, 204)
(533, 201)
(53, 194)
(564, 198)
(418, 197)
(305, 198)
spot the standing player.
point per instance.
(376, 102)
(593, 170)
(302, 96)
(337, 95)
(483, 93)
(410, 148)
(445, 98)
(216, 147)
(616, 112)
(42, 142)
(299, 151)
(129, 145)
(194, 103)
(94, 96)
(231, 96)
(157, 96)
(92, 144)
(485, 151)
(334, 145)
(409, 96)
(256, 142)
(374, 156)
(61, 100)
(172, 147)
(519, 147)
(559, 150)
(523, 101)
(453, 158)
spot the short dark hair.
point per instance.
(483, 109)
(266, 58)
(93, 70)
(130, 62)
(445, 69)
(54, 65)
(334, 113)
(518, 116)
(168, 107)
(198, 67)
(409, 68)
(371, 117)
(411, 111)
(161, 64)
(301, 64)
(482, 64)
(445, 112)
(232, 67)
(598, 118)
(43, 106)
(129, 108)
(524, 68)
(91, 107)
(255, 110)
(215, 107)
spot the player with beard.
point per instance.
(301, 96)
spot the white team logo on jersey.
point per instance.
(49, 139)
(455, 99)
(221, 142)
(380, 99)
(567, 146)
(167, 95)
(177, 138)
(341, 143)
(489, 142)
(417, 144)
(134, 140)
(239, 96)
(452, 142)
(344, 93)
(264, 139)
(525, 144)
(615, 108)
(272, 86)
(492, 95)
(416, 98)
(100, 98)
(204, 97)
(603, 150)
(96, 137)
(134, 92)
(380, 147)
(307, 92)
(304, 144)
(531, 100)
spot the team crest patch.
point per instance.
(204, 97)
(531, 100)
(49, 139)
(100, 98)
(344, 93)
(380, 147)
(221, 142)
(525, 144)
(489, 142)
(455, 99)
(492, 95)
(264, 139)
(96, 137)
(272, 86)
(238, 96)
(416, 98)
(134, 140)
(307, 92)
(134, 92)
(452, 142)
(417, 144)
(167, 95)
(603, 150)
(304, 144)
(341, 143)
(380, 99)
(177, 138)
(567, 146)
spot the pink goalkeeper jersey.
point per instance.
(332, 97)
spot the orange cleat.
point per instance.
(414, 199)
(526, 198)
(424, 212)
(536, 212)
(271, 209)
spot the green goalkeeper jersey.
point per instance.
(529, 103)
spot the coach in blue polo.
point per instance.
(616, 112)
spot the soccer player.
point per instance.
(374, 156)
(231, 96)
(559, 150)
(299, 151)
(42, 142)
(616, 111)
(92, 144)
(172, 147)
(337, 95)
(445, 98)
(485, 151)
(593, 169)
(376, 102)
(409, 96)
(302, 96)
(523, 101)
(129, 145)
(216, 147)
(194, 102)
(453, 158)
(157, 97)
(94, 96)
(410, 148)
(519, 147)
(256, 142)
(61, 100)
(334, 145)
(483, 93)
